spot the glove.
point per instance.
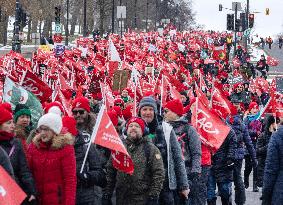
(152, 201)
(106, 200)
(84, 177)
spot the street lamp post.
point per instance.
(67, 26)
(235, 33)
(113, 13)
(85, 31)
(146, 23)
(16, 45)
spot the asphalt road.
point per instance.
(278, 54)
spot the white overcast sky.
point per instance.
(208, 15)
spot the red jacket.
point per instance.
(205, 155)
(54, 170)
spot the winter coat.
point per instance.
(54, 170)
(146, 181)
(22, 133)
(272, 192)
(175, 172)
(261, 152)
(23, 175)
(104, 154)
(243, 138)
(223, 157)
(5, 162)
(190, 143)
(87, 190)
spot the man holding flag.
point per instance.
(144, 185)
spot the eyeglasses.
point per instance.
(166, 111)
(75, 112)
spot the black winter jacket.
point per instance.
(23, 176)
(223, 157)
(5, 162)
(88, 189)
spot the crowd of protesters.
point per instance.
(172, 165)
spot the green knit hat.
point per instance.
(21, 110)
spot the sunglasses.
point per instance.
(166, 111)
(75, 112)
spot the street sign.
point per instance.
(59, 49)
(58, 28)
(239, 6)
(121, 12)
(247, 32)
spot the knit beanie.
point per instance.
(20, 110)
(52, 121)
(54, 107)
(175, 106)
(5, 115)
(69, 123)
(127, 112)
(136, 120)
(148, 101)
(253, 105)
(81, 102)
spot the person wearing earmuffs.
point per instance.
(145, 184)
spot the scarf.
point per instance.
(5, 136)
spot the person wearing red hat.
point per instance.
(119, 102)
(254, 125)
(191, 149)
(13, 147)
(85, 121)
(145, 184)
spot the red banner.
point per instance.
(10, 192)
(33, 84)
(220, 104)
(108, 137)
(212, 130)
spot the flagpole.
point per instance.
(265, 107)
(161, 101)
(93, 135)
(135, 100)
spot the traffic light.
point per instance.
(238, 26)
(251, 20)
(57, 14)
(243, 21)
(230, 22)
(220, 7)
(267, 11)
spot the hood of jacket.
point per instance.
(179, 122)
(58, 141)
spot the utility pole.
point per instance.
(16, 45)
(67, 26)
(235, 32)
(247, 21)
(85, 29)
(113, 13)
(146, 21)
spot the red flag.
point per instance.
(65, 103)
(202, 96)
(107, 95)
(107, 136)
(220, 104)
(33, 84)
(10, 192)
(272, 61)
(212, 130)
